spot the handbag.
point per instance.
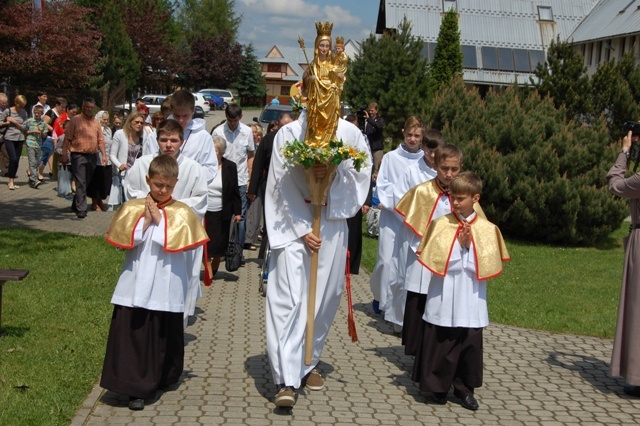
(233, 256)
(64, 181)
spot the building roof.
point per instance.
(293, 56)
(609, 18)
(493, 23)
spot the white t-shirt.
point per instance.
(239, 144)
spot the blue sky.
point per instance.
(269, 22)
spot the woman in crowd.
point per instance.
(224, 205)
(125, 148)
(254, 212)
(13, 120)
(100, 185)
(118, 119)
(273, 125)
(156, 118)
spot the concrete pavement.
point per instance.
(530, 377)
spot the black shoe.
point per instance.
(469, 402)
(34, 184)
(632, 390)
(136, 404)
(50, 175)
(81, 215)
(439, 398)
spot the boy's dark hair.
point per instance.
(72, 106)
(466, 183)
(38, 108)
(88, 101)
(351, 118)
(182, 99)
(170, 126)
(165, 106)
(433, 139)
(447, 151)
(163, 165)
(233, 111)
(40, 93)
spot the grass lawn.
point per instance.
(56, 322)
(558, 289)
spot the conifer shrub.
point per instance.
(544, 175)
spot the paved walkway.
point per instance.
(530, 377)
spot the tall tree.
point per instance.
(447, 59)
(250, 85)
(209, 18)
(36, 50)
(214, 61)
(391, 71)
(149, 25)
(120, 61)
(563, 78)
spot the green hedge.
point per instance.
(544, 176)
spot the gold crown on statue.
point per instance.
(340, 40)
(324, 28)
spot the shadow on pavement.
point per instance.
(593, 370)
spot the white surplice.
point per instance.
(191, 189)
(458, 299)
(394, 165)
(407, 243)
(288, 218)
(152, 278)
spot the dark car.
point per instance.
(199, 112)
(270, 113)
(215, 101)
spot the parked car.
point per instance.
(202, 102)
(226, 95)
(199, 112)
(153, 102)
(215, 101)
(271, 112)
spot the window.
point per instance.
(545, 13)
(596, 52)
(428, 51)
(537, 57)
(623, 45)
(489, 58)
(469, 59)
(505, 57)
(273, 67)
(521, 60)
(285, 90)
(607, 50)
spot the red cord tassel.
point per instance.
(351, 322)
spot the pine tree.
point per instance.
(563, 78)
(250, 84)
(447, 60)
(391, 71)
(120, 60)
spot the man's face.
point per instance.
(170, 143)
(447, 169)
(87, 109)
(37, 114)
(183, 116)
(413, 139)
(373, 111)
(139, 104)
(43, 98)
(161, 187)
(233, 123)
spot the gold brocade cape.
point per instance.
(441, 234)
(183, 229)
(419, 204)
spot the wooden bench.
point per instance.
(9, 275)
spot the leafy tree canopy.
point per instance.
(447, 60)
(214, 61)
(208, 18)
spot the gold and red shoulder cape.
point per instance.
(183, 229)
(437, 244)
(419, 204)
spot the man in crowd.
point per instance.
(373, 130)
(240, 150)
(83, 137)
(42, 101)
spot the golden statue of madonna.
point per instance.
(324, 80)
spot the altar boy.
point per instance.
(145, 349)
(464, 250)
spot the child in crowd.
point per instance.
(462, 250)
(36, 129)
(145, 349)
(393, 166)
(407, 240)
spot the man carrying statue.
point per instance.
(308, 237)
